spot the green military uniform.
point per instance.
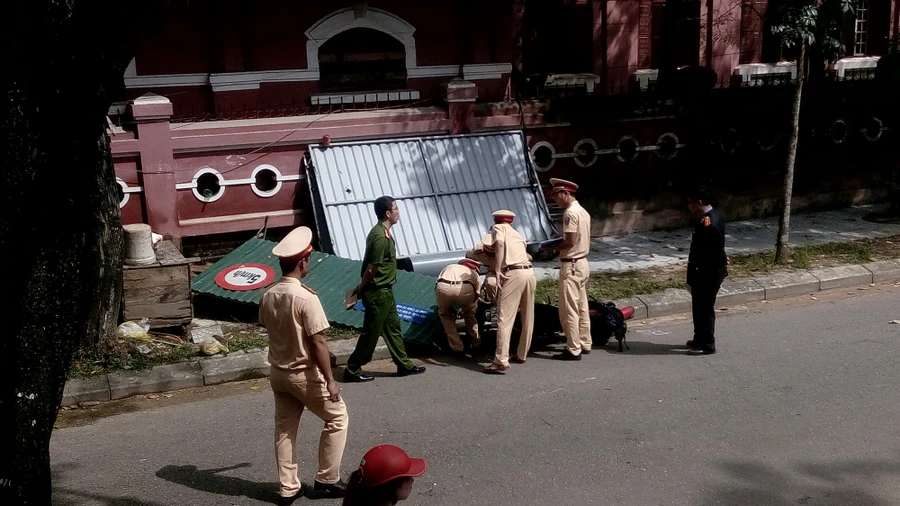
(381, 317)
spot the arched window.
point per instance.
(362, 59)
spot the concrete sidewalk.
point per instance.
(667, 247)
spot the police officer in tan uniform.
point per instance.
(458, 285)
(516, 284)
(574, 271)
(483, 252)
(300, 372)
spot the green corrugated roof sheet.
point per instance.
(331, 277)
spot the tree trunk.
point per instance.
(60, 229)
(782, 251)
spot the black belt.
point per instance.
(515, 267)
(565, 260)
(456, 282)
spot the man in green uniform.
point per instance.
(379, 273)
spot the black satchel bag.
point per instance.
(606, 321)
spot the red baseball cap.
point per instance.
(388, 462)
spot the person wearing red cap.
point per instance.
(458, 285)
(516, 285)
(574, 272)
(384, 478)
(300, 372)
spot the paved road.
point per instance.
(801, 406)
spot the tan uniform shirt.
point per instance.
(479, 254)
(291, 311)
(516, 253)
(457, 272)
(576, 220)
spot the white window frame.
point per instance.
(861, 29)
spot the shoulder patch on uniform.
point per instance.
(705, 221)
(311, 290)
(568, 219)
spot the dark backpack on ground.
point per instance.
(606, 321)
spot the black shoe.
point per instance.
(416, 369)
(585, 352)
(329, 490)
(357, 378)
(566, 356)
(286, 501)
(701, 351)
(693, 344)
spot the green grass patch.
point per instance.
(804, 257)
(246, 341)
(612, 286)
(338, 331)
(91, 364)
(628, 284)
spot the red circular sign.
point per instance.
(245, 277)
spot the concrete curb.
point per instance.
(254, 364)
(206, 371)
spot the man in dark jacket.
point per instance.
(706, 270)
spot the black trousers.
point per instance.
(703, 309)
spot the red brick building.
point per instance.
(221, 102)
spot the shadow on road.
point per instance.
(209, 480)
(644, 348)
(64, 496)
(848, 483)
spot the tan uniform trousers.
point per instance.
(448, 297)
(293, 391)
(490, 288)
(574, 314)
(517, 293)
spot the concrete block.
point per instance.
(886, 270)
(202, 329)
(234, 368)
(786, 284)
(159, 379)
(672, 301)
(640, 309)
(93, 389)
(845, 275)
(341, 349)
(740, 291)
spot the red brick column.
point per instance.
(152, 113)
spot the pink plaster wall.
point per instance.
(622, 40)
(726, 36)
(184, 32)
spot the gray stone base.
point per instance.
(234, 368)
(740, 291)
(640, 309)
(786, 284)
(93, 389)
(159, 379)
(672, 301)
(886, 270)
(843, 276)
(341, 350)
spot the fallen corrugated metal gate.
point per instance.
(446, 186)
(331, 277)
